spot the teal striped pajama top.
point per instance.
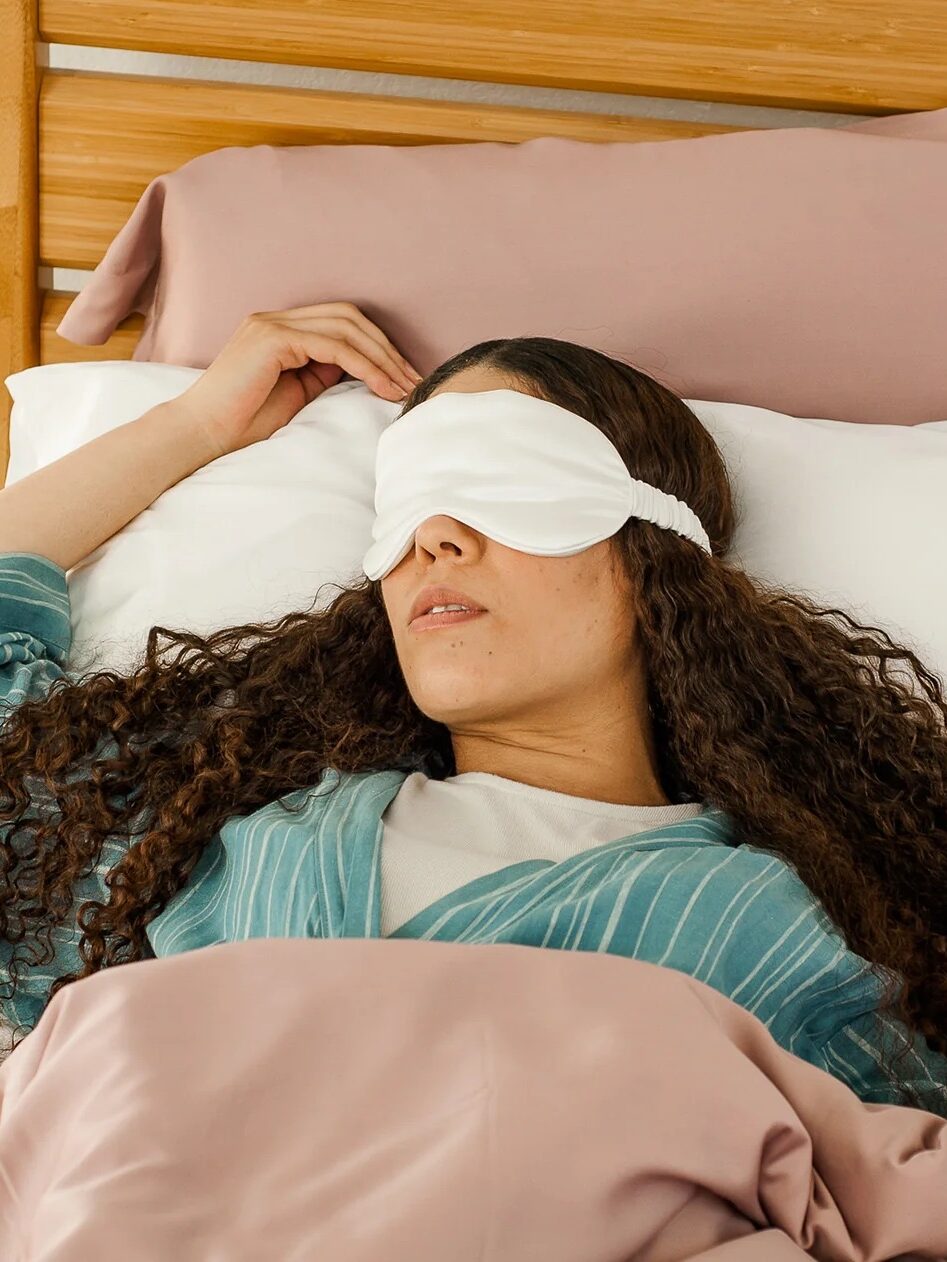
(682, 895)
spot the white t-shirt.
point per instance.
(440, 834)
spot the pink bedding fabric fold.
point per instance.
(354, 1099)
(798, 269)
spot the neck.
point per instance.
(604, 753)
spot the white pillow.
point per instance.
(247, 538)
(853, 515)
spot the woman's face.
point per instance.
(557, 636)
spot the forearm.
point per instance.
(67, 509)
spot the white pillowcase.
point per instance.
(853, 515)
(247, 538)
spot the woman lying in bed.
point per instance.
(624, 744)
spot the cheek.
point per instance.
(391, 593)
(583, 603)
(558, 604)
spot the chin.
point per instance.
(454, 708)
(454, 714)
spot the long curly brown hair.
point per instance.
(822, 739)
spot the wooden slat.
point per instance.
(869, 56)
(105, 137)
(54, 349)
(18, 209)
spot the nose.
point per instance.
(442, 534)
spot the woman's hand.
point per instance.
(278, 361)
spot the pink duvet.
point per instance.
(403, 1101)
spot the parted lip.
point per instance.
(428, 597)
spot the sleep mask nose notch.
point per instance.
(525, 472)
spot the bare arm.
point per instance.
(67, 509)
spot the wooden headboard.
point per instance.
(77, 148)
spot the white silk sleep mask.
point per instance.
(527, 473)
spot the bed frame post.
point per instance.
(19, 202)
